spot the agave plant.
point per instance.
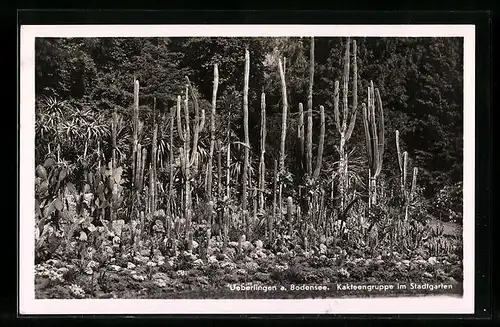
(49, 115)
(84, 127)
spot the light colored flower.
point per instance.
(344, 272)
(252, 265)
(181, 273)
(76, 291)
(212, 259)
(228, 265)
(160, 282)
(241, 271)
(139, 277)
(261, 254)
(116, 240)
(83, 236)
(93, 264)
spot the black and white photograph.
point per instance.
(247, 169)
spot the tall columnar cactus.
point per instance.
(309, 110)
(249, 184)
(141, 161)
(345, 122)
(289, 209)
(212, 133)
(319, 157)
(262, 165)
(400, 161)
(255, 205)
(375, 138)
(219, 169)
(199, 123)
(114, 126)
(271, 218)
(407, 192)
(138, 162)
(300, 137)
(413, 184)
(305, 161)
(321, 214)
(228, 158)
(283, 117)
(280, 203)
(309, 142)
(98, 153)
(152, 173)
(171, 158)
(135, 131)
(247, 140)
(141, 171)
(210, 210)
(150, 202)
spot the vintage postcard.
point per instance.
(246, 169)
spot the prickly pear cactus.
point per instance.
(102, 190)
(50, 179)
(50, 182)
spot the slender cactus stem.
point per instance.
(262, 165)
(247, 140)
(319, 157)
(212, 132)
(375, 137)
(300, 136)
(272, 217)
(346, 121)
(135, 128)
(310, 108)
(283, 116)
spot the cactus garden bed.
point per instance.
(198, 194)
(153, 270)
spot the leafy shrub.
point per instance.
(449, 203)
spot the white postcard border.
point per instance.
(397, 305)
